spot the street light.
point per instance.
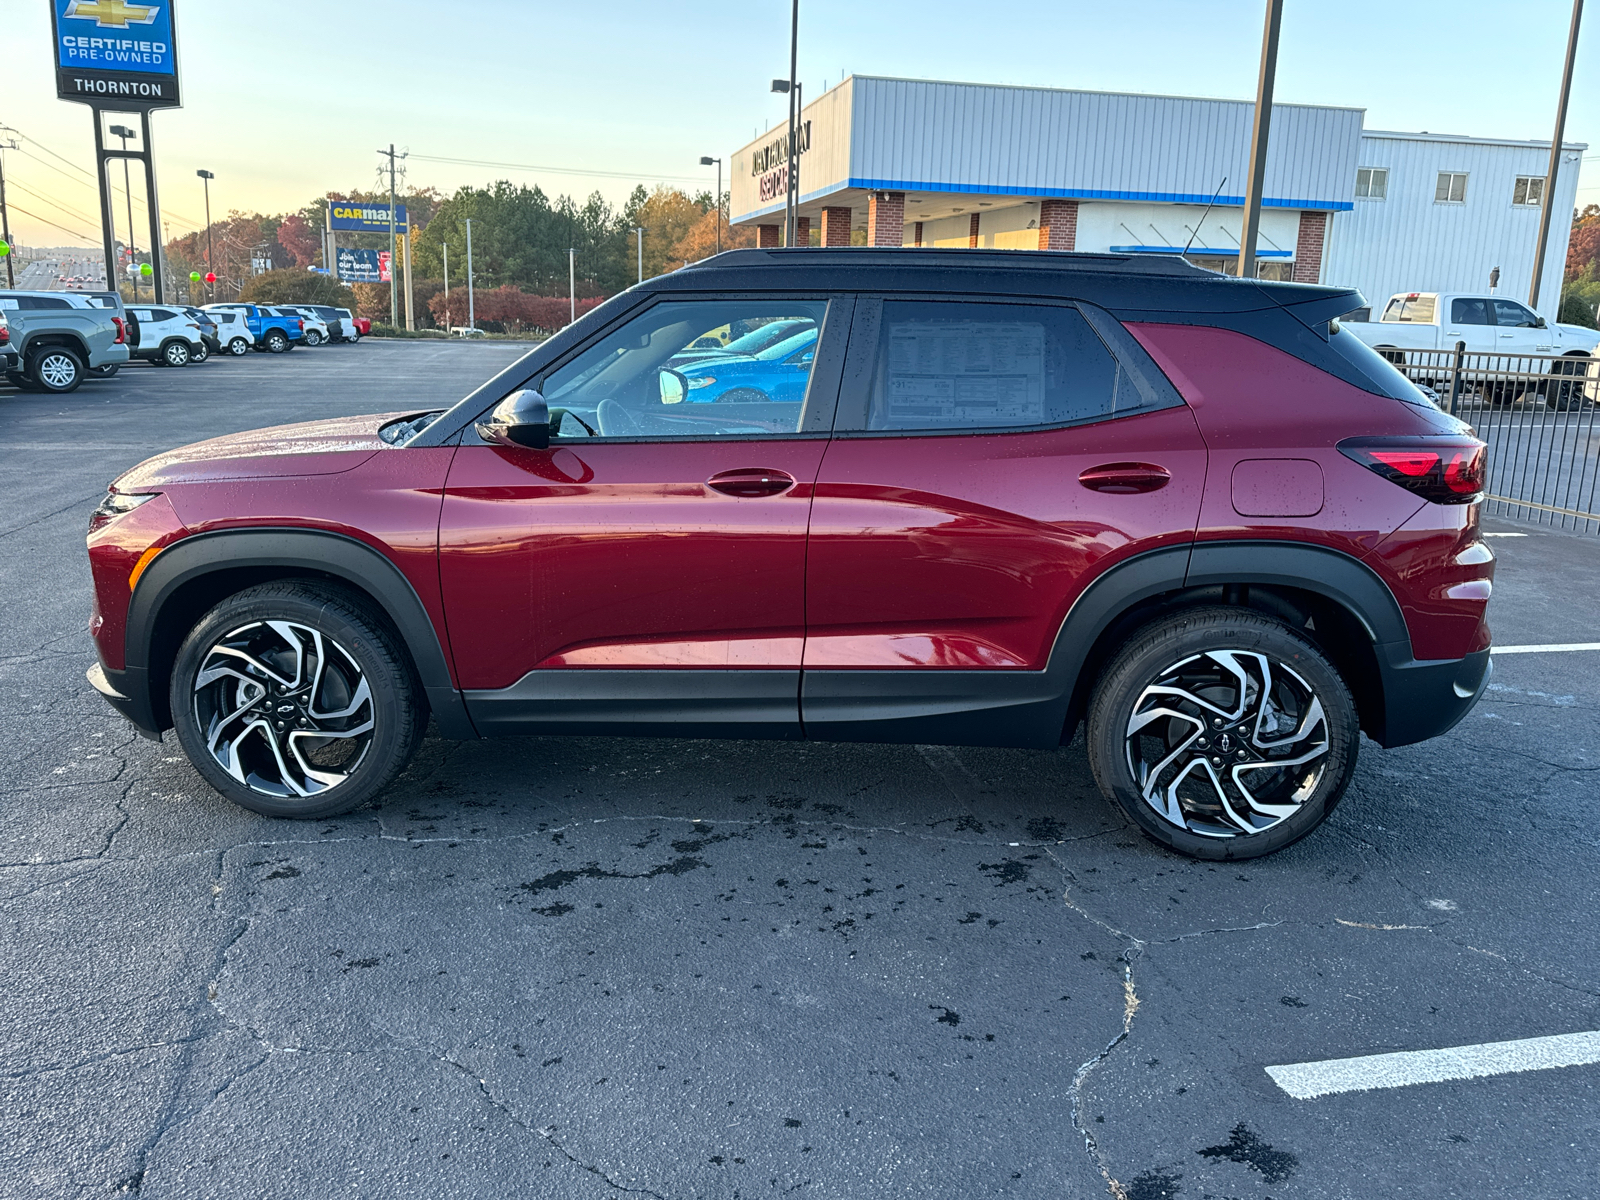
(123, 132)
(638, 231)
(211, 262)
(706, 161)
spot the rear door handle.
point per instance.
(1125, 478)
(751, 482)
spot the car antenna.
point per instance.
(1202, 220)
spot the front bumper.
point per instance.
(1422, 700)
(137, 714)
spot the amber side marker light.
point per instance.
(145, 559)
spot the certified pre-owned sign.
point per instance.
(111, 52)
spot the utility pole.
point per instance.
(572, 283)
(793, 198)
(211, 262)
(445, 246)
(472, 317)
(123, 132)
(394, 285)
(1545, 202)
(638, 234)
(1258, 140)
(705, 161)
(5, 219)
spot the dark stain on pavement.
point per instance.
(1154, 1185)
(947, 1016)
(1007, 871)
(1244, 1146)
(560, 879)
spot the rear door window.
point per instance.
(966, 366)
(1470, 310)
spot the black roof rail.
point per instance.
(919, 256)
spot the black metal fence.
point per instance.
(1538, 414)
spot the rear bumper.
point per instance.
(1422, 700)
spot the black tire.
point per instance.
(1568, 396)
(357, 648)
(105, 372)
(55, 369)
(275, 341)
(238, 346)
(744, 395)
(21, 382)
(201, 352)
(313, 338)
(176, 353)
(1219, 820)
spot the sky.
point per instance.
(289, 100)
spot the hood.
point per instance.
(1578, 333)
(308, 448)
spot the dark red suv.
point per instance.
(965, 497)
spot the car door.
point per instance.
(989, 460)
(1471, 321)
(646, 571)
(1518, 330)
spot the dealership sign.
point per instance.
(109, 52)
(770, 164)
(363, 266)
(361, 217)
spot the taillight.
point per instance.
(5, 335)
(300, 325)
(1447, 470)
(122, 331)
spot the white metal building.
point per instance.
(907, 162)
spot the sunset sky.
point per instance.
(289, 100)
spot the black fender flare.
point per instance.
(270, 553)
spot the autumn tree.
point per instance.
(300, 240)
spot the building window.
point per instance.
(1452, 188)
(1372, 183)
(1529, 190)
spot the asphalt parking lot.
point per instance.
(593, 968)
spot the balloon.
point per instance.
(5, 249)
(146, 269)
(194, 276)
(211, 277)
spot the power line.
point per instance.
(510, 166)
(83, 216)
(88, 237)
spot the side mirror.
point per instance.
(674, 387)
(1538, 323)
(522, 419)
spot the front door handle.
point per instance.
(751, 482)
(1124, 478)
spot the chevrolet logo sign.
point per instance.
(112, 14)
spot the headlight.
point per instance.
(703, 381)
(115, 505)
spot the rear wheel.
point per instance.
(1222, 733)
(313, 338)
(56, 369)
(293, 700)
(176, 353)
(276, 341)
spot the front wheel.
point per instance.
(276, 341)
(238, 346)
(105, 372)
(1222, 733)
(293, 700)
(201, 352)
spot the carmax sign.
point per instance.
(360, 217)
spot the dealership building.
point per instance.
(906, 162)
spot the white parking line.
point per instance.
(1505, 535)
(1552, 648)
(1306, 1081)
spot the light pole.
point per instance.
(123, 132)
(472, 316)
(791, 195)
(638, 234)
(211, 262)
(706, 161)
(394, 283)
(572, 284)
(5, 220)
(445, 247)
(1555, 159)
(1258, 140)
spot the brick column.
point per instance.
(916, 239)
(802, 230)
(766, 235)
(886, 219)
(1308, 246)
(836, 226)
(972, 232)
(1058, 224)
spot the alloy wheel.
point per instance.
(238, 346)
(176, 354)
(1227, 743)
(284, 708)
(56, 371)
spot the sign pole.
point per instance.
(108, 228)
(333, 247)
(1540, 249)
(411, 322)
(472, 317)
(1258, 140)
(153, 207)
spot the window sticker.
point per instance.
(965, 373)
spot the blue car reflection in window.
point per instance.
(778, 373)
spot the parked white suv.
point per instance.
(316, 329)
(168, 337)
(233, 331)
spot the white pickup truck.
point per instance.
(1418, 332)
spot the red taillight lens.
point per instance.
(5, 335)
(1449, 470)
(122, 331)
(300, 325)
